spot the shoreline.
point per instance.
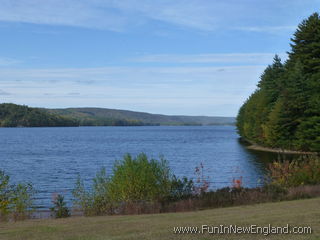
(253, 146)
(168, 125)
(278, 150)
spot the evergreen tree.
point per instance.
(305, 46)
(284, 112)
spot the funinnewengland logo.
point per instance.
(235, 229)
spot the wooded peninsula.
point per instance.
(284, 111)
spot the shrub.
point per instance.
(202, 182)
(275, 191)
(60, 209)
(15, 200)
(22, 200)
(5, 195)
(140, 179)
(82, 198)
(100, 197)
(137, 185)
(94, 201)
(302, 171)
(181, 188)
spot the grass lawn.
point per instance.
(160, 226)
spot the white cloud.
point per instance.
(4, 93)
(170, 90)
(79, 13)
(209, 15)
(128, 75)
(118, 15)
(194, 14)
(268, 29)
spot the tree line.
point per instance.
(284, 110)
(13, 115)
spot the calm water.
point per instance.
(51, 158)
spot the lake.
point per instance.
(52, 158)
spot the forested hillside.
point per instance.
(12, 115)
(105, 116)
(284, 111)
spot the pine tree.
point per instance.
(284, 112)
(305, 46)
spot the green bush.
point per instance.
(15, 200)
(134, 183)
(22, 200)
(302, 171)
(5, 195)
(140, 179)
(181, 188)
(94, 201)
(60, 209)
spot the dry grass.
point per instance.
(160, 226)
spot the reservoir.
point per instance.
(52, 158)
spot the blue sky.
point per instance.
(191, 57)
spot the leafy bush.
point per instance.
(22, 200)
(60, 209)
(94, 201)
(135, 185)
(5, 195)
(137, 179)
(15, 200)
(181, 188)
(303, 171)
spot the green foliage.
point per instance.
(60, 209)
(134, 183)
(303, 171)
(308, 134)
(82, 198)
(22, 200)
(181, 188)
(94, 201)
(113, 117)
(5, 195)
(137, 179)
(12, 115)
(15, 200)
(284, 111)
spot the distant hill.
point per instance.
(13, 115)
(104, 116)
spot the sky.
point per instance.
(176, 57)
